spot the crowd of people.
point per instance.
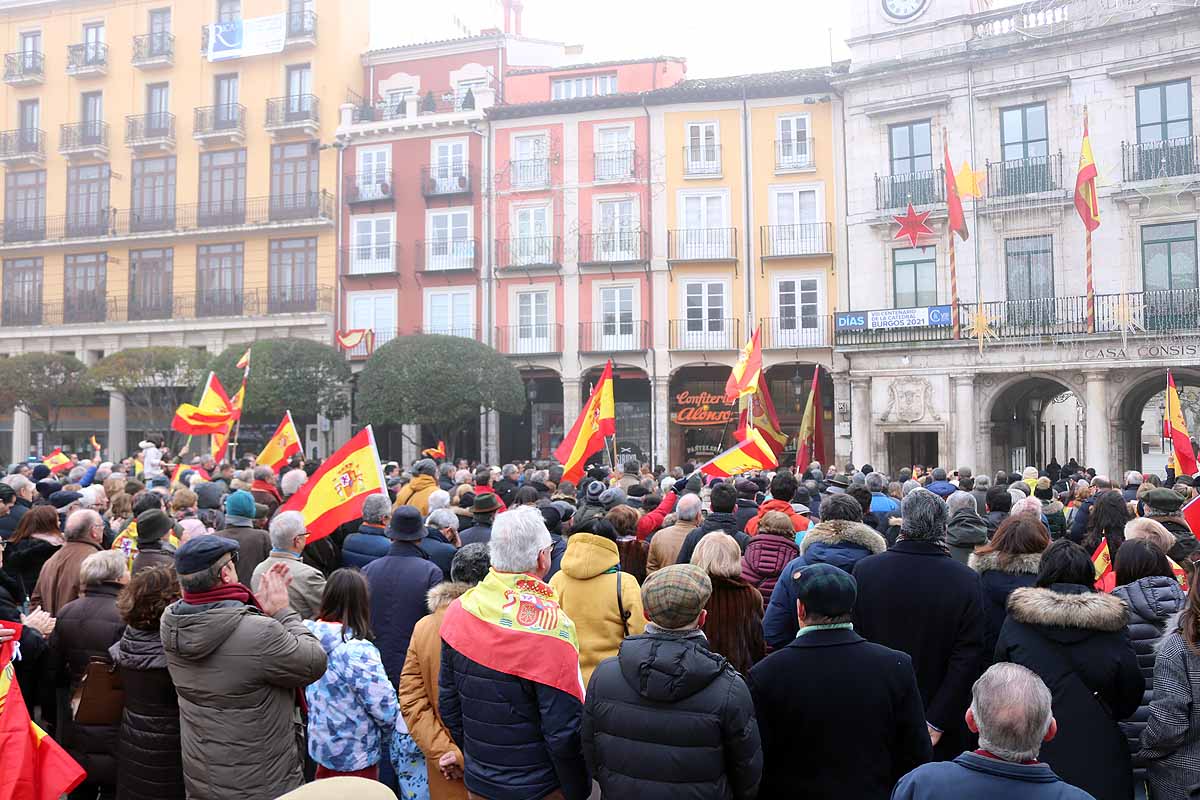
(505, 634)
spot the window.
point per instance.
(448, 170)
(530, 167)
(449, 244)
(532, 242)
(702, 154)
(229, 10)
(160, 32)
(153, 202)
(91, 115)
(29, 117)
(584, 86)
(1164, 111)
(1169, 256)
(704, 234)
(374, 173)
(31, 43)
(84, 278)
(158, 109)
(373, 311)
(450, 312)
(532, 334)
(915, 275)
(25, 206)
(912, 178)
(797, 322)
(462, 87)
(1029, 264)
(705, 323)
(294, 187)
(373, 248)
(793, 147)
(150, 283)
(293, 276)
(222, 188)
(87, 200)
(796, 228)
(227, 114)
(93, 43)
(614, 154)
(300, 17)
(617, 237)
(299, 92)
(219, 280)
(617, 330)
(22, 291)
(1023, 132)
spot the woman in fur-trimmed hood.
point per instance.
(1008, 562)
(1075, 639)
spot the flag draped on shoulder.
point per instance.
(762, 419)
(595, 421)
(57, 461)
(956, 220)
(212, 414)
(751, 454)
(335, 493)
(1175, 429)
(284, 444)
(743, 379)
(1085, 183)
(811, 441)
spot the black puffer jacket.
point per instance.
(999, 577)
(1185, 542)
(24, 561)
(668, 719)
(149, 756)
(1151, 602)
(715, 521)
(33, 646)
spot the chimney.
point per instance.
(517, 8)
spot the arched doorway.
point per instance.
(1036, 418)
(1140, 411)
(534, 433)
(632, 398)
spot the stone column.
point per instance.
(1097, 450)
(661, 386)
(965, 454)
(118, 433)
(572, 401)
(490, 437)
(409, 445)
(21, 435)
(841, 420)
(985, 465)
(861, 423)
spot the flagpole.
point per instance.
(1091, 288)
(957, 330)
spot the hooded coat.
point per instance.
(668, 719)
(236, 672)
(799, 523)
(24, 561)
(964, 533)
(587, 591)
(764, 560)
(1056, 520)
(999, 577)
(1075, 640)
(416, 493)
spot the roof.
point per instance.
(479, 37)
(574, 104)
(596, 65)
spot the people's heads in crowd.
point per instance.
(1140, 558)
(939, 474)
(264, 474)
(142, 602)
(84, 525)
(1133, 478)
(1043, 490)
(961, 501)
(291, 482)
(688, 508)
(860, 494)
(825, 594)
(923, 516)
(624, 520)
(526, 496)
(510, 472)
(184, 501)
(783, 486)
(674, 597)
(839, 506)
(1161, 503)
(106, 566)
(1066, 562)
(1107, 519)
(778, 524)
(909, 486)
(376, 510)
(288, 532)
(1150, 530)
(1018, 535)
(1011, 712)
(346, 599)
(718, 555)
(483, 476)
(876, 482)
(520, 542)
(999, 499)
(724, 497)
(470, 564)
(982, 483)
(1027, 505)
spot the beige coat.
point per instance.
(308, 583)
(665, 545)
(58, 582)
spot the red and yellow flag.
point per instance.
(956, 221)
(1085, 183)
(435, 452)
(284, 444)
(811, 441)
(597, 420)
(765, 420)
(751, 454)
(348, 340)
(212, 414)
(1106, 576)
(57, 461)
(244, 361)
(1175, 429)
(201, 474)
(743, 379)
(95, 444)
(334, 495)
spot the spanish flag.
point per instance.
(765, 420)
(597, 420)
(201, 474)
(57, 462)
(751, 454)
(95, 444)
(244, 361)
(1175, 429)
(435, 452)
(1179, 573)
(811, 441)
(213, 414)
(220, 443)
(743, 379)
(284, 444)
(956, 220)
(32, 765)
(335, 493)
(1085, 183)
(348, 340)
(1106, 576)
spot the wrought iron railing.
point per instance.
(614, 336)
(86, 56)
(614, 247)
(81, 135)
(1167, 158)
(219, 120)
(368, 187)
(702, 160)
(301, 25)
(796, 332)
(530, 339)
(432, 102)
(702, 244)
(1024, 176)
(615, 166)
(919, 188)
(153, 47)
(22, 142)
(371, 258)
(444, 180)
(143, 128)
(523, 252)
(24, 65)
(802, 239)
(295, 109)
(793, 154)
(444, 255)
(705, 333)
(529, 173)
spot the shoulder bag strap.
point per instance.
(625, 615)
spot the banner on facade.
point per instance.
(889, 318)
(243, 38)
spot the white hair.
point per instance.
(688, 507)
(377, 508)
(960, 500)
(1030, 472)
(292, 480)
(17, 482)
(440, 498)
(1027, 505)
(91, 495)
(263, 473)
(102, 567)
(285, 528)
(518, 536)
(1133, 478)
(1012, 708)
(443, 518)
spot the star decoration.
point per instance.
(1128, 316)
(913, 225)
(981, 328)
(969, 182)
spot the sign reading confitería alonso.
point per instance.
(888, 318)
(242, 38)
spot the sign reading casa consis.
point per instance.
(701, 409)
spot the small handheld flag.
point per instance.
(435, 452)
(751, 454)
(743, 378)
(335, 493)
(57, 461)
(1106, 576)
(284, 444)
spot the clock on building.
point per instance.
(903, 10)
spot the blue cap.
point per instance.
(240, 504)
(197, 555)
(61, 500)
(407, 525)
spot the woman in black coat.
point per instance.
(1074, 638)
(36, 539)
(34, 634)
(149, 755)
(1009, 561)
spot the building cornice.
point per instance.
(1153, 63)
(905, 104)
(990, 90)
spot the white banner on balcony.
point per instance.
(885, 319)
(243, 38)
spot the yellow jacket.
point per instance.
(587, 591)
(416, 493)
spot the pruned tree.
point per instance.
(154, 380)
(439, 381)
(309, 378)
(43, 384)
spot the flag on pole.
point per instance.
(956, 221)
(1085, 182)
(57, 461)
(244, 361)
(596, 421)
(335, 493)
(811, 440)
(435, 452)
(743, 379)
(765, 420)
(1106, 576)
(751, 454)
(1175, 429)
(220, 443)
(95, 444)
(212, 414)
(284, 444)
(201, 474)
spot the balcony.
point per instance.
(363, 350)
(793, 155)
(790, 241)
(88, 224)
(532, 339)
(212, 303)
(445, 180)
(918, 188)
(702, 162)
(301, 28)
(462, 331)
(23, 147)
(148, 133)
(706, 333)
(152, 218)
(302, 205)
(292, 299)
(382, 258)
(529, 252)
(24, 68)
(447, 255)
(796, 332)
(85, 307)
(702, 244)
(615, 166)
(87, 60)
(410, 107)
(369, 187)
(20, 312)
(1168, 158)
(529, 173)
(614, 247)
(153, 51)
(25, 229)
(297, 114)
(614, 336)
(218, 125)
(84, 140)
(1024, 176)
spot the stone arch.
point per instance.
(1133, 389)
(1014, 408)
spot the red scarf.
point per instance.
(226, 591)
(263, 486)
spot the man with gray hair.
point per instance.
(21, 500)
(291, 482)
(371, 541)
(667, 542)
(265, 488)
(882, 506)
(288, 538)
(966, 530)
(1011, 712)
(506, 486)
(58, 582)
(917, 599)
(441, 531)
(1133, 480)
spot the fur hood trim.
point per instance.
(444, 594)
(1024, 564)
(1093, 611)
(1171, 626)
(839, 531)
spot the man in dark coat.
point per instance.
(10, 511)
(999, 503)
(722, 501)
(371, 540)
(918, 599)
(831, 685)
(154, 548)
(667, 691)
(483, 512)
(506, 487)
(747, 507)
(1079, 522)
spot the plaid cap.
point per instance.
(674, 596)
(825, 590)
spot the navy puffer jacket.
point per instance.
(361, 548)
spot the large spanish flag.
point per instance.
(57, 461)
(1175, 429)
(212, 414)
(32, 765)
(743, 379)
(1085, 183)
(284, 444)
(751, 454)
(764, 420)
(334, 495)
(811, 446)
(597, 420)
